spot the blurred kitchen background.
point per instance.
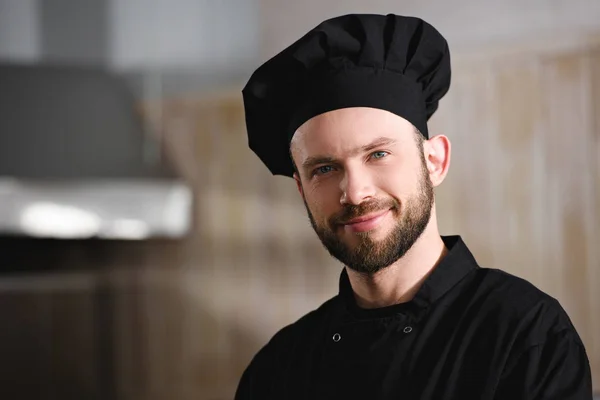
(146, 253)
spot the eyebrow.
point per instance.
(316, 160)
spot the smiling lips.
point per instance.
(366, 222)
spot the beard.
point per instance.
(370, 256)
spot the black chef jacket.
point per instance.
(469, 333)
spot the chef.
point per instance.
(343, 112)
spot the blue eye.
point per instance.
(379, 154)
(323, 170)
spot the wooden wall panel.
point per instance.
(593, 345)
(49, 338)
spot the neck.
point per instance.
(399, 282)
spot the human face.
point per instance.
(365, 184)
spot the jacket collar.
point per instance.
(457, 263)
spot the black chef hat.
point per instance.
(394, 63)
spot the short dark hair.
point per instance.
(419, 138)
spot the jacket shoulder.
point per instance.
(522, 306)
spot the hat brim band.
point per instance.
(362, 87)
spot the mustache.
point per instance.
(352, 211)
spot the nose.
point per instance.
(356, 187)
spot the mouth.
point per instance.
(365, 223)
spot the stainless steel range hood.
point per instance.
(73, 160)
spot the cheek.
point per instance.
(323, 201)
(400, 183)
(395, 180)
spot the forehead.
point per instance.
(343, 131)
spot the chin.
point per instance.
(375, 235)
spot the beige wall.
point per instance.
(467, 24)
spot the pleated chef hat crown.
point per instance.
(394, 63)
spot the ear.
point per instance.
(437, 155)
(299, 184)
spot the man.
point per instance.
(344, 112)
